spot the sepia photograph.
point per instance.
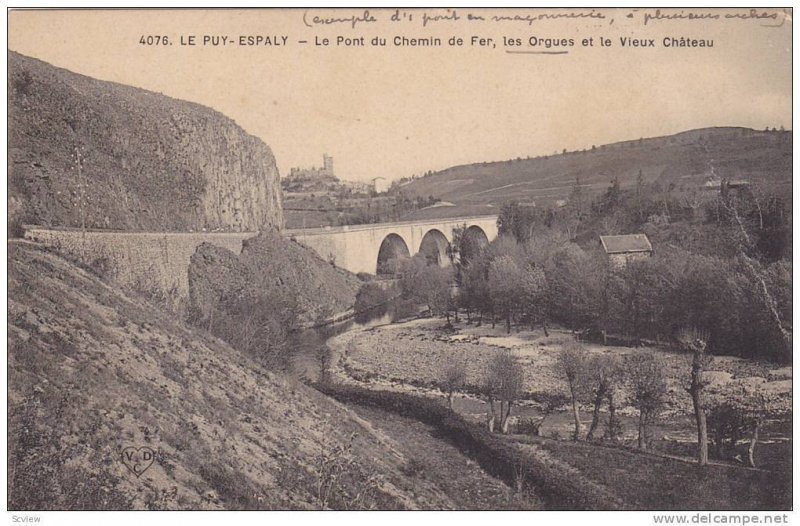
(415, 258)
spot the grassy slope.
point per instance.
(92, 371)
(436, 462)
(653, 482)
(684, 159)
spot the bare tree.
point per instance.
(504, 384)
(613, 425)
(323, 355)
(646, 376)
(694, 199)
(757, 413)
(572, 364)
(695, 341)
(744, 411)
(489, 391)
(603, 373)
(454, 378)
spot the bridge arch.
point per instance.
(393, 248)
(474, 241)
(356, 247)
(434, 247)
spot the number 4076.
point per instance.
(154, 40)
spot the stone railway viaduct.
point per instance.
(162, 258)
(364, 248)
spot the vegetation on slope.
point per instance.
(683, 160)
(257, 299)
(92, 371)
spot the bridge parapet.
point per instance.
(482, 220)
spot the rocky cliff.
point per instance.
(104, 155)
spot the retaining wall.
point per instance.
(146, 260)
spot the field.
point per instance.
(409, 357)
(682, 160)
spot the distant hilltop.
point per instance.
(316, 179)
(94, 154)
(683, 161)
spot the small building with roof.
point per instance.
(625, 248)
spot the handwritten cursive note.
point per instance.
(530, 17)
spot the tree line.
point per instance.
(543, 269)
(609, 380)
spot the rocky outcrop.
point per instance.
(321, 288)
(84, 152)
(215, 274)
(269, 266)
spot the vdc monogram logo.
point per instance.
(138, 459)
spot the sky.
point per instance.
(389, 111)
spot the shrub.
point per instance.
(413, 468)
(371, 296)
(146, 286)
(232, 486)
(528, 426)
(403, 309)
(341, 482)
(549, 404)
(103, 266)
(254, 323)
(726, 425)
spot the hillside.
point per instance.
(271, 266)
(684, 159)
(147, 161)
(92, 371)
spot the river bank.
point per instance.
(409, 357)
(395, 365)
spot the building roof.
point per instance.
(625, 244)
